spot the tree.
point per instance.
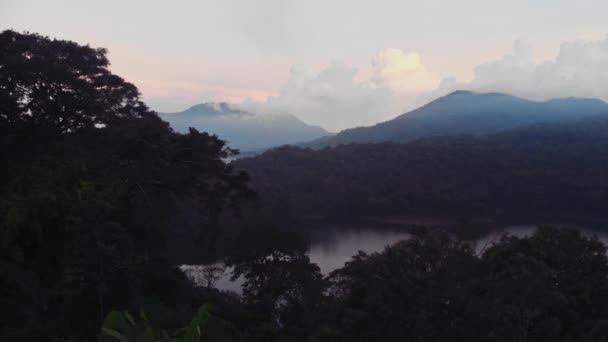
(410, 291)
(432, 287)
(60, 86)
(281, 284)
(553, 284)
(205, 275)
(91, 182)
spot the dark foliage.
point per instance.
(554, 171)
(89, 181)
(548, 287)
(281, 285)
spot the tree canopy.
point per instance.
(90, 179)
(542, 173)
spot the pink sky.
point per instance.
(316, 58)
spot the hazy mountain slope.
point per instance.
(243, 130)
(464, 112)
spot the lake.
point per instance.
(330, 249)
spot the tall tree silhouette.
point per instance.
(92, 179)
(61, 86)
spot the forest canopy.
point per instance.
(545, 172)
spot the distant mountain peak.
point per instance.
(474, 94)
(242, 129)
(465, 112)
(213, 109)
(461, 92)
(574, 99)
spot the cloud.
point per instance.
(173, 82)
(401, 72)
(579, 70)
(332, 98)
(336, 98)
(340, 96)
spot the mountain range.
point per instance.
(458, 113)
(466, 113)
(466, 155)
(244, 130)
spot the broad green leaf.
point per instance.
(115, 334)
(148, 327)
(193, 333)
(129, 318)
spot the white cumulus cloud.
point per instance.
(401, 72)
(579, 70)
(332, 98)
(335, 98)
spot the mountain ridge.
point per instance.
(242, 129)
(466, 112)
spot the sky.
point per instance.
(334, 63)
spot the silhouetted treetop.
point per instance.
(60, 86)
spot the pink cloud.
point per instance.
(189, 79)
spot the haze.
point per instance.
(336, 64)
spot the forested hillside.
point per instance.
(545, 171)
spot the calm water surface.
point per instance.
(331, 249)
